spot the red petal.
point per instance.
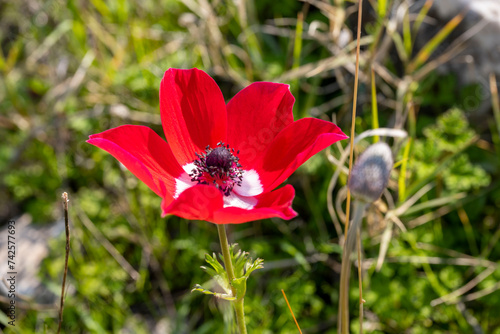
(255, 116)
(144, 153)
(193, 112)
(277, 203)
(295, 145)
(196, 203)
(203, 202)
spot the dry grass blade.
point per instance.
(467, 287)
(415, 259)
(66, 225)
(446, 251)
(108, 246)
(384, 244)
(354, 105)
(434, 203)
(412, 200)
(425, 218)
(482, 293)
(29, 304)
(309, 70)
(290, 308)
(49, 42)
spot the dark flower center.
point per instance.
(220, 157)
(220, 167)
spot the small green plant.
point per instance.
(441, 152)
(243, 267)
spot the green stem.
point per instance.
(240, 315)
(343, 322)
(238, 303)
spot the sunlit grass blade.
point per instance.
(431, 45)
(375, 124)
(2, 60)
(297, 50)
(469, 231)
(381, 8)
(297, 47)
(101, 7)
(496, 108)
(400, 47)
(421, 16)
(407, 38)
(402, 174)
(12, 56)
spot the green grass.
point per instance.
(71, 70)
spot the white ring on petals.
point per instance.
(236, 201)
(184, 182)
(241, 197)
(250, 184)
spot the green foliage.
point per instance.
(70, 69)
(243, 267)
(443, 146)
(464, 176)
(451, 132)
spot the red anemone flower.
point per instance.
(220, 162)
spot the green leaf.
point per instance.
(250, 267)
(224, 296)
(243, 266)
(240, 285)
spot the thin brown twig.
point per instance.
(354, 103)
(290, 308)
(353, 125)
(66, 224)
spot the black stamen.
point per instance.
(218, 166)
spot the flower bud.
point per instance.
(370, 174)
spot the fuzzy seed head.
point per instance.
(370, 174)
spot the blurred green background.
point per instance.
(71, 69)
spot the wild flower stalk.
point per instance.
(368, 179)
